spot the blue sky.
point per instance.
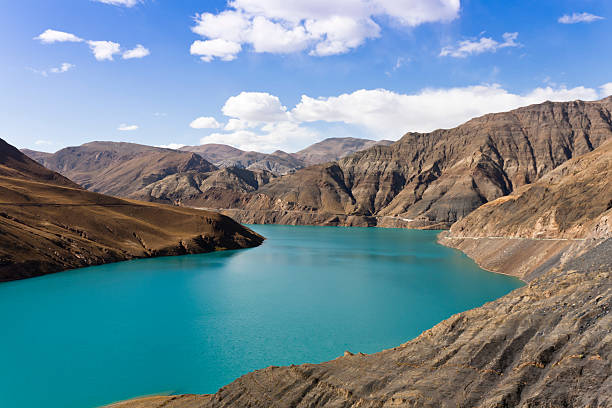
(305, 71)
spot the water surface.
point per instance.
(191, 324)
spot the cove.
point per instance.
(192, 324)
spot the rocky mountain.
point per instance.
(120, 168)
(432, 180)
(221, 189)
(280, 162)
(49, 224)
(547, 344)
(335, 148)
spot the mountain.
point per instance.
(431, 180)
(120, 168)
(280, 162)
(335, 148)
(543, 223)
(49, 224)
(220, 189)
(224, 156)
(546, 344)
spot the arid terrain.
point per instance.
(49, 224)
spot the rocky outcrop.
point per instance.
(440, 177)
(49, 224)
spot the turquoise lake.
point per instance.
(192, 324)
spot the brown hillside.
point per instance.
(49, 224)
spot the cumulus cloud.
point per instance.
(575, 18)
(259, 121)
(205, 122)
(125, 3)
(388, 114)
(606, 90)
(173, 146)
(104, 50)
(323, 27)
(52, 36)
(286, 136)
(482, 45)
(138, 52)
(126, 128)
(218, 48)
(255, 107)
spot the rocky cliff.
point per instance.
(49, 224)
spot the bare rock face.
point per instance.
(440, 177)
(49, 224)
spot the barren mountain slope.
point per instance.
(224, 156)
(335, 148)
(196, 189)
(49, 224)
(439, 177)
(121, 168)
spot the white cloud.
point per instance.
(104, 50)
(65, 67)
(53, 36)
(138, 52)
(126, 3)
(218, 48)
(286, 136)
(255, 107)
(484, 44)
(126, 128)
(321, 26)
(259, 121)
(579, 18)
(205, 122)
(386, 114)
(173, 146)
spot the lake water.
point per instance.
(191, 324)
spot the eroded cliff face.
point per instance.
(543, 224)
(439, 177)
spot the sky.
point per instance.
(275, 74)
